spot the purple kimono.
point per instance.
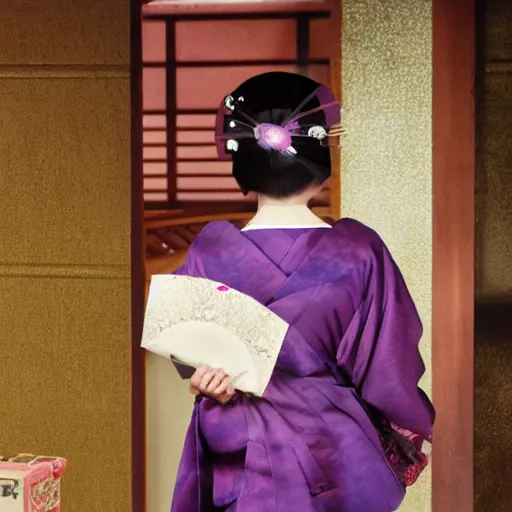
(308, 445)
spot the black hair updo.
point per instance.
(275, 98)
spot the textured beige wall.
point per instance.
(168, 411)
(169, 407)
(387, 155)
(65, 243)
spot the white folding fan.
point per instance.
(196, 321)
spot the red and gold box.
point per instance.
(30, 483)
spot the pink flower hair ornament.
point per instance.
(231, 129)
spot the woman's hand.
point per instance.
(212, 382)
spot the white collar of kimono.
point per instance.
(284, 226)
(285, 217)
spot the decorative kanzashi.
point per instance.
(235, 122)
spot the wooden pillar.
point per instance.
(453, 253)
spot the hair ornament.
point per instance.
(229, 102)
(235, 122)
(232, 145)
(317, 132)
(272, 136)
(335, 135)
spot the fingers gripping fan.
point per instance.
(196, 321)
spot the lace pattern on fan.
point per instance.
(202, 300)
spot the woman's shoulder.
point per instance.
(215, 233)
(361, 244)
(354, 232)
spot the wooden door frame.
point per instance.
(138, 411)
(453, 253)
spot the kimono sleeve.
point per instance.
(192, 266)
(379, 351)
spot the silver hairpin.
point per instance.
(232, 145)
(229, 102)
(317, 132)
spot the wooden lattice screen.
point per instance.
(189, 63)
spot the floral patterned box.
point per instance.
(30, 483)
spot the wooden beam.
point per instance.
(138, 279)
(205, 9)
(453, 253)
